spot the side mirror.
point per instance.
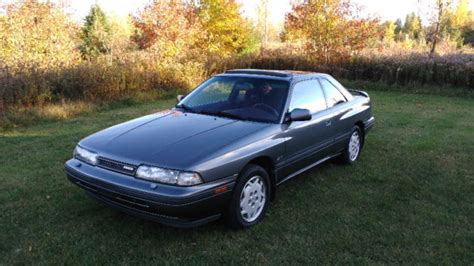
(298, 114)
(179, 98)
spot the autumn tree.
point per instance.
(460, 22)
(36, 34)
(121, 30)
(226, 32)
(388, 31)
(462, 16)
(330, 29)
(167, 27)
(439, 19)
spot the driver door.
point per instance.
(307, 141)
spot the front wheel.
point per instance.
(250, 198)
(353, 147)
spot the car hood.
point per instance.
(170, 139)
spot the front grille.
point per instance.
(117, 166)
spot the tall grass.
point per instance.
(452, 70)
(102, 79)
(113, 78)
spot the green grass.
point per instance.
(408, 200)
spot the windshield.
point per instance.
(241, 98)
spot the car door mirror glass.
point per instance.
(298, 114)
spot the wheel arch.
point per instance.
(361, 125)
(266, 162)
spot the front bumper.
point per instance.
(167, 204)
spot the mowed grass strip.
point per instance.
(410, 199)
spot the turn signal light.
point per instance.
(220, 189)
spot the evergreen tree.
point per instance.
(398, 26)
(412, 26)
(95, 33)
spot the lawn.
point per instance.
(410, 199)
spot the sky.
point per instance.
(385, 9)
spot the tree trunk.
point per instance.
(435, 40)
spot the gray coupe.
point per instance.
(224, 148)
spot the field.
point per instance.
(408, 200)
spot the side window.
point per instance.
(308, 95)
(333, 95)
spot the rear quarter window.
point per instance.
(333, 95)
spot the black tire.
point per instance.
(347, 156)
(234, 216)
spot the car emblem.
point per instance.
(128, 168)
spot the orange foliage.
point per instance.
(36, 34)
(330, 30)
(168, 27)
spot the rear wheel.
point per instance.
(353, 147)
(250, 197)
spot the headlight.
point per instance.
(85, 155)
(167, 176)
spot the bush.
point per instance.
(175, 51)
(101, 79)
(107, 79)
(447, 70)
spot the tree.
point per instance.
(329, 28)
(121, 30)
(461, 16)
(388, 29)
(439, 19)
(412, 26)
(399, 36)
(36, 34)
(168, 28)
(398, 26)
(262, 21)
(468, 33)
(461, 23)
(226, 31)
(95, 33)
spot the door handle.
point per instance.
(328, 122)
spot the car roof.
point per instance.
(288, 75)
(280, 74)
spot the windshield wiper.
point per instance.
(186, 108)
(226, 114)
